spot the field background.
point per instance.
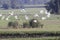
(51, 24)
(44, 38)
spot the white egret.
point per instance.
(41, 11)
(7, 19)
(43, 18)
(36, 15)
(23, 10)
(0, 15)
(16, 17)
(35, 20)
(11, 13)
(46, 12)
(48, 15)
(26, 17)
(3, 17)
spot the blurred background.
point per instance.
(53, 5)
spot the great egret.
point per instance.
(48, 13)
(41, 11)
(26, 17)
(0, 15)
(36, 15)
(16, 17)
(35, 20)
(11, 13)
(43, 18)
(7, 19)
(3, 17)
(23, 10)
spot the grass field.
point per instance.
(51, 24)
(43, 38)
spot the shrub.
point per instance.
(26, 25)
(34, 23)
(5, 6)
(10, 24)
(41, 25)
(13, 24)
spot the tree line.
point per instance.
(53, 6)
(17, 4)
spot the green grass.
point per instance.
(50, 24)
(42, 38)
(30, 30)
(28, 10)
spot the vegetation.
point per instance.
(13, 24)
(51, 25)
(53, 6)
(26, 25)
(53, 21)
(17, 4)
(43, 38)
(34, 23)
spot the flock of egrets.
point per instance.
(26, 16)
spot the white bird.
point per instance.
(46, 12)
(36, 15)
(49, 13)
(0, 15)
(23, 10)
(7, 19)
(41, 11)
(26, 17)
(3, 18)
(35, 20)
(16, 17)
(43, 18)
(11, 13)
